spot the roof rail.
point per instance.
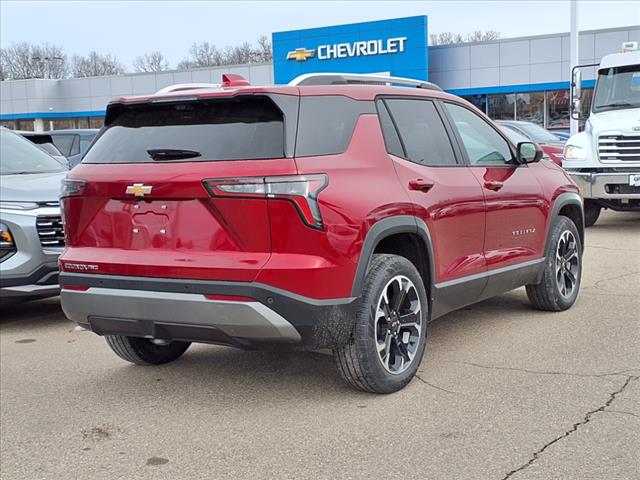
(186, 86)
(359, 78)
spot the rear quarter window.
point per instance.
(326, 123)
(240, 128)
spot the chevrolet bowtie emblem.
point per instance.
(300, 54)
(138, 190)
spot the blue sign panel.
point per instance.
(397, 46)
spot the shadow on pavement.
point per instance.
(618, 222)
(36, 313)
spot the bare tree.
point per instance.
(447, 38)
(206, 54)
(151, 62)
(202, 55)
(24, 60)
(480, 36)
(95, 64)
(264, 52)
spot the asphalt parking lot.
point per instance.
(504, 391)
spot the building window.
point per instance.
(67, 123)
(558, 102)
(501, 107)
(96, 122)
(10, 124)
(530, 107)
(479, 101)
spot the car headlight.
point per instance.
(18, 205)
(572, 152)
(7, 245)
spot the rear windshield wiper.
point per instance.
(172, 153)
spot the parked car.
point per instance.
(319, 214)
(563, 135)
(45, 143)
(549, 142)
(517, 138)
(73, 143)
(31, 232)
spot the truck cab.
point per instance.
(604, 159)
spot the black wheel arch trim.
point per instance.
(385, 228)
(562, 200)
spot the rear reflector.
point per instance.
(229, 298)
(79, 288)
(301, 190)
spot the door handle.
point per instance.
(420, 184)
(493, 185)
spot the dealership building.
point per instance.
(525, 78)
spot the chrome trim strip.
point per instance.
(497, 271)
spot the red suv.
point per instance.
(327, 213)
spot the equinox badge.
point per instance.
(138, 190)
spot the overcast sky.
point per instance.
(130, 28)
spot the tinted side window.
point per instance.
(391, 139)
(422, 132)
(483, 144)
(64, 143)
(326, 124)
(84, 145)
(75, 148)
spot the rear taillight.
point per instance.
(301, 190)
(72, 187)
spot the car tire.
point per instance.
(591, 213)
(560, 283)
(142, 351)
(387, 342)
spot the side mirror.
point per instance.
(528, 152)
(576, 92)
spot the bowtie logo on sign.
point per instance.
(347, 50)
(300, 54)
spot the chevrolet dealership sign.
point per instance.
(354, 49)
(398, 46)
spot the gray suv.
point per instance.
(31, 230)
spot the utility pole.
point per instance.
(574, 57)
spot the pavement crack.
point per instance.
(623, 412)
(545, 372)
(576, 426)
(434, 386)
(617, 277)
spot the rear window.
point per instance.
(242, 128)
(326, 123)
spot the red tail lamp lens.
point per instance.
(301, 190)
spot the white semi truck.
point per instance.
(604, 159)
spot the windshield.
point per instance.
(617, 88)
(537, 133)
(18, 155)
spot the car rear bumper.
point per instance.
(24, 292)
(245, 315)
(606, 186)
